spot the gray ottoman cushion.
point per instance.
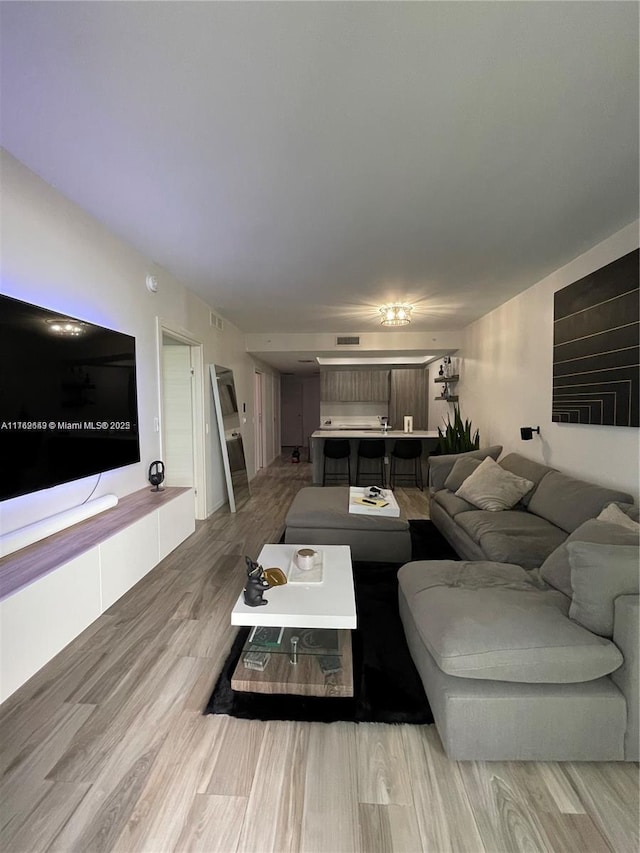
(328, 507)
(320, 516)
(492, 621)
(513, 536)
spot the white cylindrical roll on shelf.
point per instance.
(24, 536)
(408, 423)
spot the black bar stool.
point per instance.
(408, 449)
(371, 448)
(336, 448)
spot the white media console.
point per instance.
(52, 590)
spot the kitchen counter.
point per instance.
(429, 442)
(373, 433)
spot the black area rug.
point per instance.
(387, 686)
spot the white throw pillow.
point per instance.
(491, 487)
(614, 515)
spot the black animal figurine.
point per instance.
(295, 456)
(256, 584)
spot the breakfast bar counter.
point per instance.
(429, 443)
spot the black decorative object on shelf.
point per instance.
(256, 584)
(446, 394)
(156, 475)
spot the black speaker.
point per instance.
(526, 433)
(156, 475)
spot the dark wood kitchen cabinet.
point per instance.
(354, 386)
(409, 396)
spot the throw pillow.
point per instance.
(459, 473)
(615, 515)
(599, 574)
(492, 488)
(556, 569)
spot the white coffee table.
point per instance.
(297, 607)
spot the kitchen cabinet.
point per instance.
(354, 386)
(408, 396)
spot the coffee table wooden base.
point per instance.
(304, 678)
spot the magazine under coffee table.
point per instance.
(303, 645)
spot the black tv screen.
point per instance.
(68, 402)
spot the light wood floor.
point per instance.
(106, 749)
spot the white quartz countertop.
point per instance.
(373, 433)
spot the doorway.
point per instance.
(181, 413)
(259, 431)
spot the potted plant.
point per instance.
(457, 437)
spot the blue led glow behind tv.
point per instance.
(68, 401)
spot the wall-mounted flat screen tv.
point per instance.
(68, 401)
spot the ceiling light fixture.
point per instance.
(396, 315)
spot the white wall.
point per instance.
(506, 380)
(56, 255)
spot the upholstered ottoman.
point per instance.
(320, 516)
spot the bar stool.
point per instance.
(336, 448)
(409, 449)
(371, 448)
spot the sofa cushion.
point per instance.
(599, 574)
(492, 621)
(452, 504)
(567, 502)
(615, 515)
(632, 510)
(556, 569)
(328, 507)
(523, 467)
(493, 488)
(515, 536)
(462, 468)
(440, 466)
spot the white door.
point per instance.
(177, 413)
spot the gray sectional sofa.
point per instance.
(528, 648)
(525, 535)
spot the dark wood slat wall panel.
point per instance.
(596, 357)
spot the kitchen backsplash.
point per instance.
(352, 413)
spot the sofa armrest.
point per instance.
(440, 466)
(626, 628)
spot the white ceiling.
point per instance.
(299, 164)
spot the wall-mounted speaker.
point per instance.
(156, 475)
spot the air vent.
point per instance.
(348, 341)
(216, 321)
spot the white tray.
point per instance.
(314, 575)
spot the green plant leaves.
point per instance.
(457, 436)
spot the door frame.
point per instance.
(197, 407)
(259, 424)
